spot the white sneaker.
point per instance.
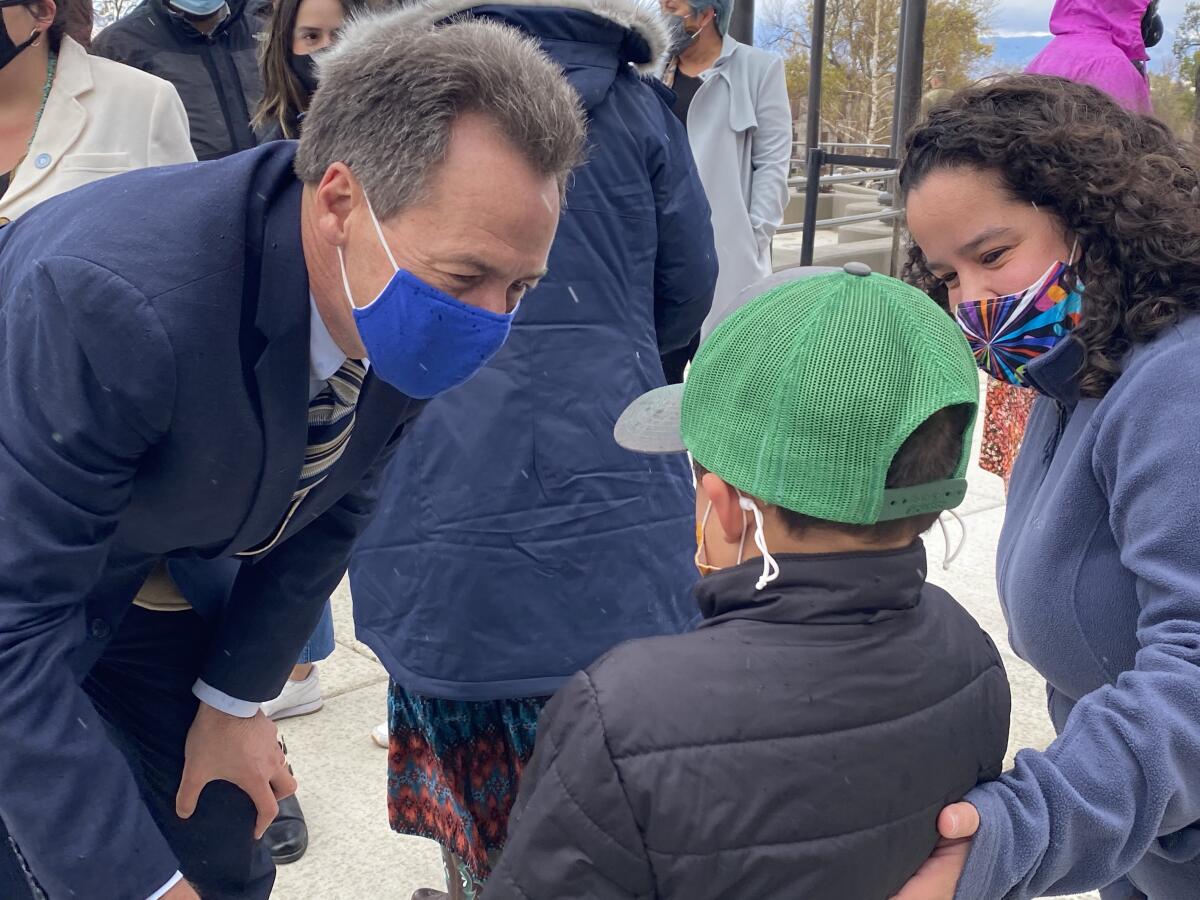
(379, 734)
(298, 698)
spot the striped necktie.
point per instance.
(330, 422)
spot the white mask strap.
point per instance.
(1074, 247)
(379, 231)
(770, 566)
(345, 280)
(742, 543)
(700, 551)
(951, 557)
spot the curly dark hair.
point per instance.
(1121, 182)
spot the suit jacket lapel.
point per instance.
(276, 275)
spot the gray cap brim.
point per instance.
(651, 424)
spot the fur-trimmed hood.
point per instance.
(641, 17)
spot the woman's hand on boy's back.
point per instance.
(937, 879)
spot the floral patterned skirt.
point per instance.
(1004, 418)
(454, 768)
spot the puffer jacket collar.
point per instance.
(817, 589)
(643, 21)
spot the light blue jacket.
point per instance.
(1099, 574)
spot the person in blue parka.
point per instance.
(515, 542)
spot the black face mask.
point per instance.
(8, 50)
(304, 67)
(1152, 26)
(680, 38)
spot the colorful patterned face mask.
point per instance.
(1007, 333)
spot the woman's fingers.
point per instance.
(958, 820)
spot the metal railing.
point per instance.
(847, 178)
(834, 145)
(884, 215)
(818, 158)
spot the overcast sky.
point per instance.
(1033, 16)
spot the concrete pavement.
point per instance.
(353, 854)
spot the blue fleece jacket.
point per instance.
(1099, 575)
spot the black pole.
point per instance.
(897, 137)
(741, 23)
(812, 193)
(816, 60)
(912, 76)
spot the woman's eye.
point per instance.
(993, 256)
(949, 280)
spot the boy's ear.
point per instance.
(725, 499)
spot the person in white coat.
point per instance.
(733, 100)
(67, 118)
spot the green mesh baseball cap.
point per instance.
(803, 396)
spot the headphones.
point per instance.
(1152, 25)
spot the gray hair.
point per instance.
(722, 8)
(394, 85)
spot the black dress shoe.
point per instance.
(287, 836)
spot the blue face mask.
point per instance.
(199, 8)
(420, 340)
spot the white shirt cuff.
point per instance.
(175, 879)
(243, 709)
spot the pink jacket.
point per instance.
(1096, 42)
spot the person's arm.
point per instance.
(1121, 778)
(685, 265)
(277, 600)
(86, 387)
(572, 835)
(770, 154)
(170, 134)
(273, 607)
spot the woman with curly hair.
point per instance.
(1100, 44)
(1064, 232)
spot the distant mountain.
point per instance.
(1012, 51)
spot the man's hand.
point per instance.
(937, 879)
(181, 891)
(244, 752)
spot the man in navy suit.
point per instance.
(212, 362)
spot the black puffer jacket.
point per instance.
(216, 75)
(799, 744)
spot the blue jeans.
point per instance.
(320, 644)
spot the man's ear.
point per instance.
(725, 500)
(334, 198)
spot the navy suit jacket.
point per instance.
(154, 379)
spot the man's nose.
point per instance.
(493, 299)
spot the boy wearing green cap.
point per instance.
(802, 740)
